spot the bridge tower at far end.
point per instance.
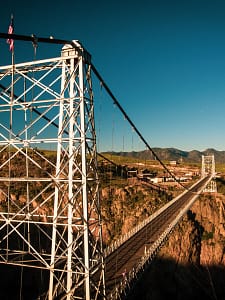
(208, 168)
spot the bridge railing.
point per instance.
(117, 243)
(126, 284)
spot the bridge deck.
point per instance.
(128, 255)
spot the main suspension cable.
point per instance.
(116, 102)
(80, 48)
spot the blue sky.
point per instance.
(163, 60)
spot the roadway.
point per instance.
(127, 256)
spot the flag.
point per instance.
(10, 31)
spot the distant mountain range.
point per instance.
(194, 156)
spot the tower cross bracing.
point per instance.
(49, 188)
(208, 168)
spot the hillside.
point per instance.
(125, 202)
(193, 156)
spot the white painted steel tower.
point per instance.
(208, 168)
(49, 188)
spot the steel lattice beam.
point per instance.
(49, 214)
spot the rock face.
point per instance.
(200, 237)
(126, 206)
(191, 265)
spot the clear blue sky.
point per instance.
(164, 60)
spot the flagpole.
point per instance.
(11, 48)
(10, 41)
(13, 71)
(12, 87)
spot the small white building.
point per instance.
(156, 179)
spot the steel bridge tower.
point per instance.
(49, 188)
(208, 168)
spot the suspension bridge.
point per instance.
(47, 124)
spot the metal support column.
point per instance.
(50, 220)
